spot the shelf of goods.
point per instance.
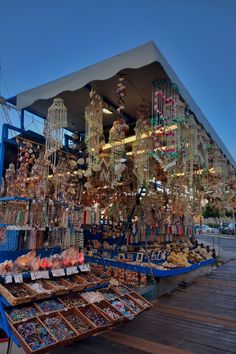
(42, 314)
(149, 270)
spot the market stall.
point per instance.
(109, 202)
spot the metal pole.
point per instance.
(2, 151)
(9, 346)
(22, 119)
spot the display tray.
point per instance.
(60, 285)
(109, 293)
(114, 315)
(76, 282)
(96, 316)
(59, 328)
(34, 336)
(90, 279)
(17, 294)
(132, 304)
(50, 291)
(83, 326)
(71, 300)
(21, 313)
(121, 289)
(50, 305)
(141, 300)
(123, 309)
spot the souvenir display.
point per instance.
(59, 328)
(93, 296)
(35, 335)
(131, 304)
(91, 215)
(71, 300)
(95, 316)
(22, 313)
(47, 306)
(119, 305)
(110, 311)
(78, 322)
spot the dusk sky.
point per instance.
(47, 39)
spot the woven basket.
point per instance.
(43, 295)
(58, 290)
(13, 300)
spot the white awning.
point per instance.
(140, 65)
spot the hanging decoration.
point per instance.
(94, 130)
(164, 119)
(53, 131)
(141, 146)
(117, 134)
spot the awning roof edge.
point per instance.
(133, 59)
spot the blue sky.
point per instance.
(46, 39)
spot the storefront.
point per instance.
(107, 204)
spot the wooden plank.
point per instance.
(207, 317)
(145, 345)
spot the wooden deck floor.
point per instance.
(198, 319)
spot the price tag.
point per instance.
(32, 274)
(45, 274)
(84, 267)
(18, 278)
(71, 270)
(58, 272)
(8, 279)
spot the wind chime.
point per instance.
(165, 116)
(94, 130)
(56, 121)
(117, 134)
(141, 145)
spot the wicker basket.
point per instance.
(141, 301)
(10, 319)
(23, 343)
(43, 295)
(76, 282)
(77, 300)
(64, 289)
(95, 309)
(105, 303)
(13, 300)
(90, 284)
(63, 342)
(77, 313)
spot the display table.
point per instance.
(41, 322)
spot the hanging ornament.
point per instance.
(120, 94)
(56, 121)
(117, 134)
(141, 146)
(94, 129)
(166, 108)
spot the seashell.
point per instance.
(88, 160)
(80, 173)
(80, 161)
(97, 168)
(88, 173)
(72, 163)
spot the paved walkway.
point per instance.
(198, 319)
